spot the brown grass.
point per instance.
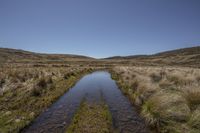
(26, 92)
(167, 96)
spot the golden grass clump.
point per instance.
(194, 121)
(192, 95)
(42, 85)
(168, 97)
(164, 107)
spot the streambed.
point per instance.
(92, 87)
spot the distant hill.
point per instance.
(127, 57)
(182, 51)
(185, 56)
(181, 57)
(8, 55)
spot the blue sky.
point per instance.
(99, 28)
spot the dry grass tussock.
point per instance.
(14, 78)
(169, 97)
(26, 92)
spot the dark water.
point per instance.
(91, 87)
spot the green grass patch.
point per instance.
(91, 118)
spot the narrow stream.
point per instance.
(92, 87)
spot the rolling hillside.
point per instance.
(184, 57)
(21, 56)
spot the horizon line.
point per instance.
(53, 53)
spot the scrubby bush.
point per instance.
(66, 76)
(133, 76)
(39, 87)
(36, 91)
(135, 85)
(193, 96)
(42, 83)
(162, 73)
(155, 77)
(49, 80)
(2, 81)
(69, 74)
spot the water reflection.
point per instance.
(92, 87)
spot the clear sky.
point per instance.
(99, 28)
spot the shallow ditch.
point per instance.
(93, 87)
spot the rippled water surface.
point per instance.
(93, 87)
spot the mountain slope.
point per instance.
(182, 57)
(185, 56)
(15, 55)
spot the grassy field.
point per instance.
(26, 92)
(91, 118)
(165, 87)
(167, 97)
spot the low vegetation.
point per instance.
(167, 97)
(26, 92)
(91, 118)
